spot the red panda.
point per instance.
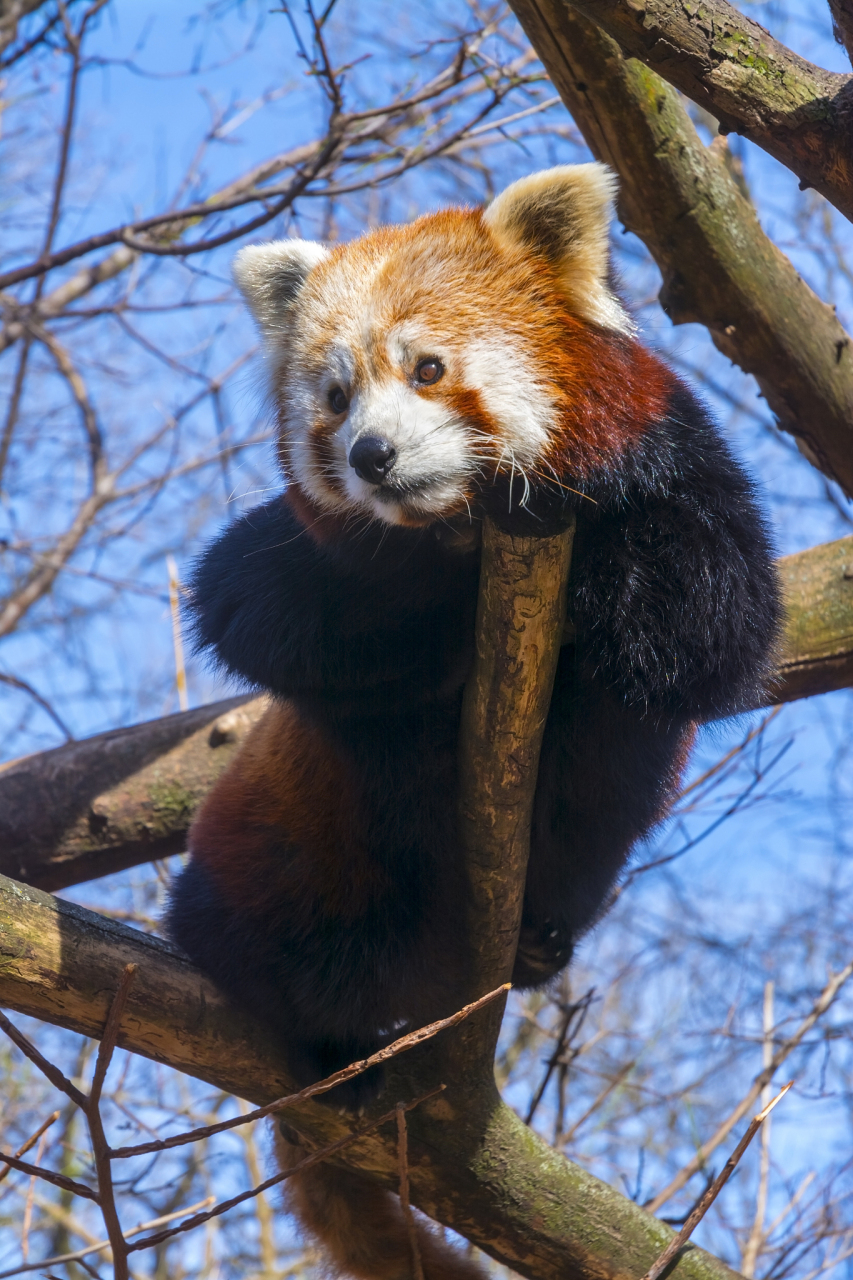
(472, 363)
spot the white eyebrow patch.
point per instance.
(409, 341)
(511, 395)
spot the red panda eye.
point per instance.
(338, 401)
(429, 370)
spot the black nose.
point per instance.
(372, 458)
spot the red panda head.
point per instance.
(413, 365)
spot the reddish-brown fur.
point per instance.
(326, 889)
(362, 1226)
(288, 784)
(447, 269)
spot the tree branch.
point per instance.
(128, 796)
(799, 113)
(718, 266)
(520, 618)
(482, 1171)
(124, 797)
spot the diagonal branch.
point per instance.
(718, 266)
(799, 113)
(496, 1183)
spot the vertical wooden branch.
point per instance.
(520, 615)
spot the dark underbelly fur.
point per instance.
(674, 598)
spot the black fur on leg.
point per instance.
(606, 775)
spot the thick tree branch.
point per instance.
(799, 113)
(817, 651)
(478, 1169)
(128, 796)
(11, 13)
(719, 268)
(121, 798)
(520, 619)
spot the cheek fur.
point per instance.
(610, 392)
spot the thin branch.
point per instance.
(100, 1245)
(77, 386)
(48, 1175)
(110, 1035)
(605, 1093)
(403, 1158)
(676, 1245)
(15, 682)
(316, 1157)
(314, 1090)
(31, 1141)
(100, 1146)
(820, 1006)
(51, 1072)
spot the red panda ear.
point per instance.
(564, 214)
(270, 277)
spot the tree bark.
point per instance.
(110, 802)
(11, 14)
(520, 619)
(475, 1166)
(684, 202)
(818, 645)
(799, 113)
(107, 803)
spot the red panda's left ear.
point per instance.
(564, 214)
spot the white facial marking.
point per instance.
(433, 452)
(511, 395)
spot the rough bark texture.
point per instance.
(799, 113)
(818, 647)
(719, 268)
(11, 13)
(520, 618)
(123, 797)
(473, 1164)
(128, 796)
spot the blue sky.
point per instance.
(139, 128)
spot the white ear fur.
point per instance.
(564, 214)
(270, 277)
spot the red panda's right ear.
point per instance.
(563, 215)
(270, 277)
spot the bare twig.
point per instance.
(675, 1245)
(15, 682)
(51, 1072)
(403, 1158)
(100, 1245)
(100, 1146)
(571, 1012)
(408, 1041)
(758, 1235)
(605, 1093)
(316, 1157)
(820, 1006)
(31, 1141)
(48, 1175)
